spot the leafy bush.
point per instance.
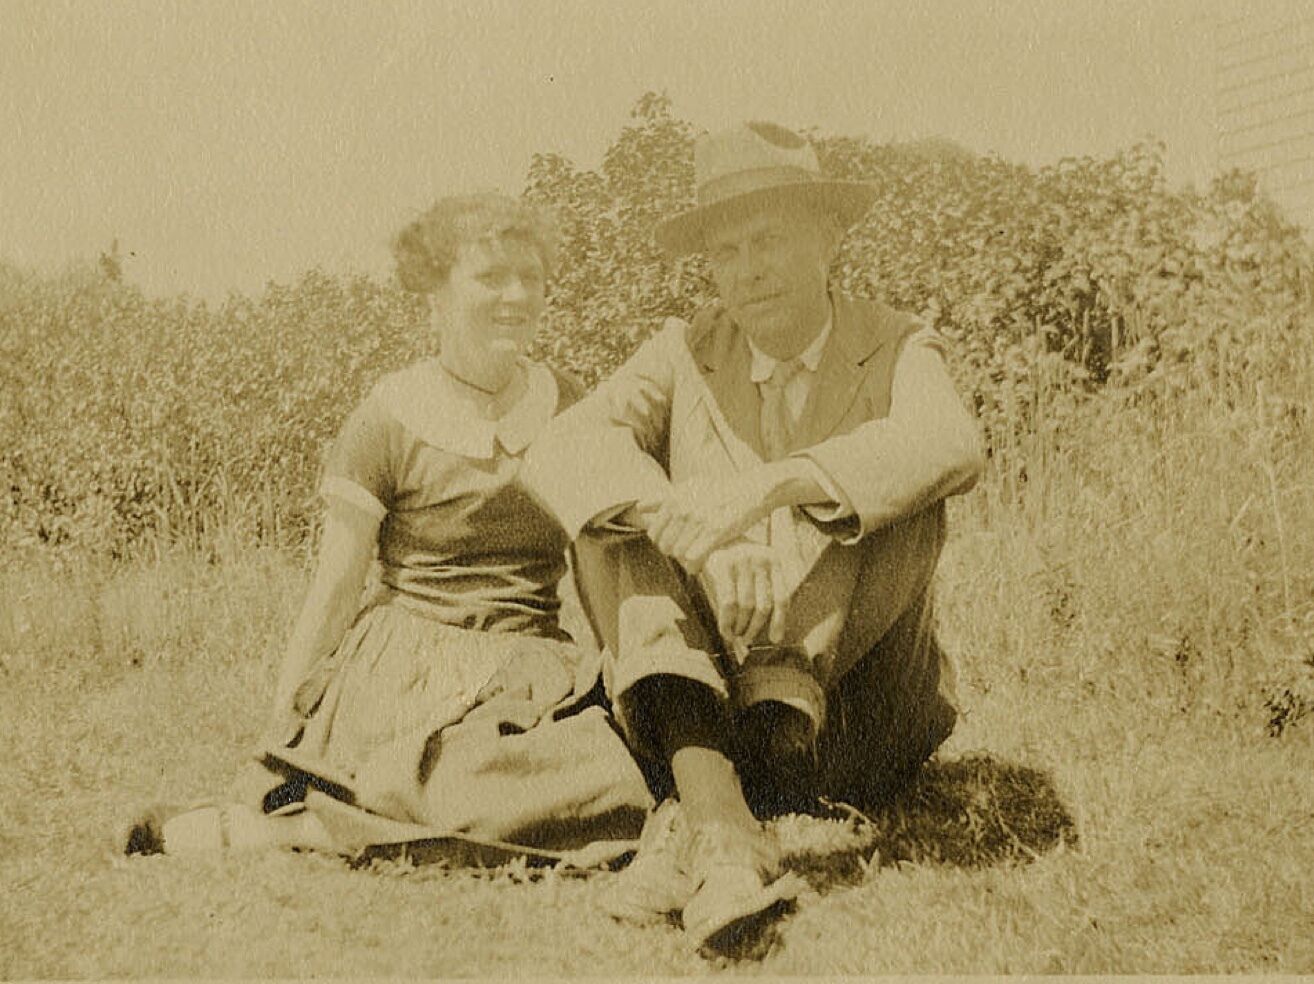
(1078, 271)
(124, 415)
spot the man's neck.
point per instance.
(795, 343)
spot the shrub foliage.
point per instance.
(124, 415)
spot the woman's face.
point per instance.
(488, 310)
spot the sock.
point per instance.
(692, 729)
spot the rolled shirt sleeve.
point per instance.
(927, 447)
(837, 506)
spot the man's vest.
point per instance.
(866, 337)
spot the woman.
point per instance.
(449, 701)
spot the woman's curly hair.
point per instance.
(426, 250)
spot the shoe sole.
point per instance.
(712, 941)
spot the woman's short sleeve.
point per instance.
(360, 466)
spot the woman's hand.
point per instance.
(332, 603)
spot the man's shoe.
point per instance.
(737, 878)
(655, 884)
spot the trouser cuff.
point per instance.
(788, 684)
(624, 675)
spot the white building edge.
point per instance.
(1264, 103)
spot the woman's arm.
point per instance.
(332, 603)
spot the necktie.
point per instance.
(777, 422)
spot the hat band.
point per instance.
(743, 182)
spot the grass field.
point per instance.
(1129, 788)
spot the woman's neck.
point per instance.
(491, 390)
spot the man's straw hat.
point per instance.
(757, 163)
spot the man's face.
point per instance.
(770, 267)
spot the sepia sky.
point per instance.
(228, 143)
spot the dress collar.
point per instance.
(425, 401)
(764, 365)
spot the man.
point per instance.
(758, 501)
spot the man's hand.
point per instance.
(700, 515)
(747, 590)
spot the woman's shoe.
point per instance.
(144, 832)
(162, 829)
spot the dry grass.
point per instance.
(1128, 789)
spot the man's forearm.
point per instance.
(789, 482)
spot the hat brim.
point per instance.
(847, 201)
